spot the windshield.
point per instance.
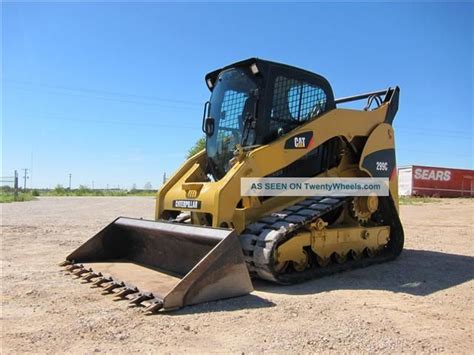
(232, 107)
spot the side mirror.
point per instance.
(207, 120)
(209, 126)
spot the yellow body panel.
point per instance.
(382, 137)
(221, 198)
(333, 240)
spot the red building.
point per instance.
(418, 180)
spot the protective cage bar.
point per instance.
(362, 96)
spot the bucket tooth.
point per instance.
(81, 272)
(73, 272)
(126, 291)
(65, 263)
(155, 305)
(73, 267)
(90, 276)
(114, 285)
(102, 280)
(142, 296)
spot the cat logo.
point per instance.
(300, 141)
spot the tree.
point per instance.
(197, 147)
(83, 190)
(59, 190)
(148, 186)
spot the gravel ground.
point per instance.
(420, 303)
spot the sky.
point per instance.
(113, 93)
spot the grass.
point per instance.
(83, 191)
(7, 197)
(413, 200)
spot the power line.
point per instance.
(432, 130)
(453, 133)
(403, 149)
(96, 121)
(103, 92)
(124, 101)
(429, 134)
(411, 130)
(416, 132)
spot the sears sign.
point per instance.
(432, 174)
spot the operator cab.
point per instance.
(253, 102)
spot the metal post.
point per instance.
(25, 176)
(70, 175)
(15, 186)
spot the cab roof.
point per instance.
(264, 66)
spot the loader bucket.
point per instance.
(162, 265)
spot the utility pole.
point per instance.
(15, 186)
(70, 177)
(31, 171)
(164, 177)
(25, 176)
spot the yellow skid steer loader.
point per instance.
(264, 119)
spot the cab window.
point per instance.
(294, 102)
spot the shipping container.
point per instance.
(419, 180)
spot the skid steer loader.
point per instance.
(207, 241)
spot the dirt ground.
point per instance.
(423, 302)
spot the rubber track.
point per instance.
(260, 239)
